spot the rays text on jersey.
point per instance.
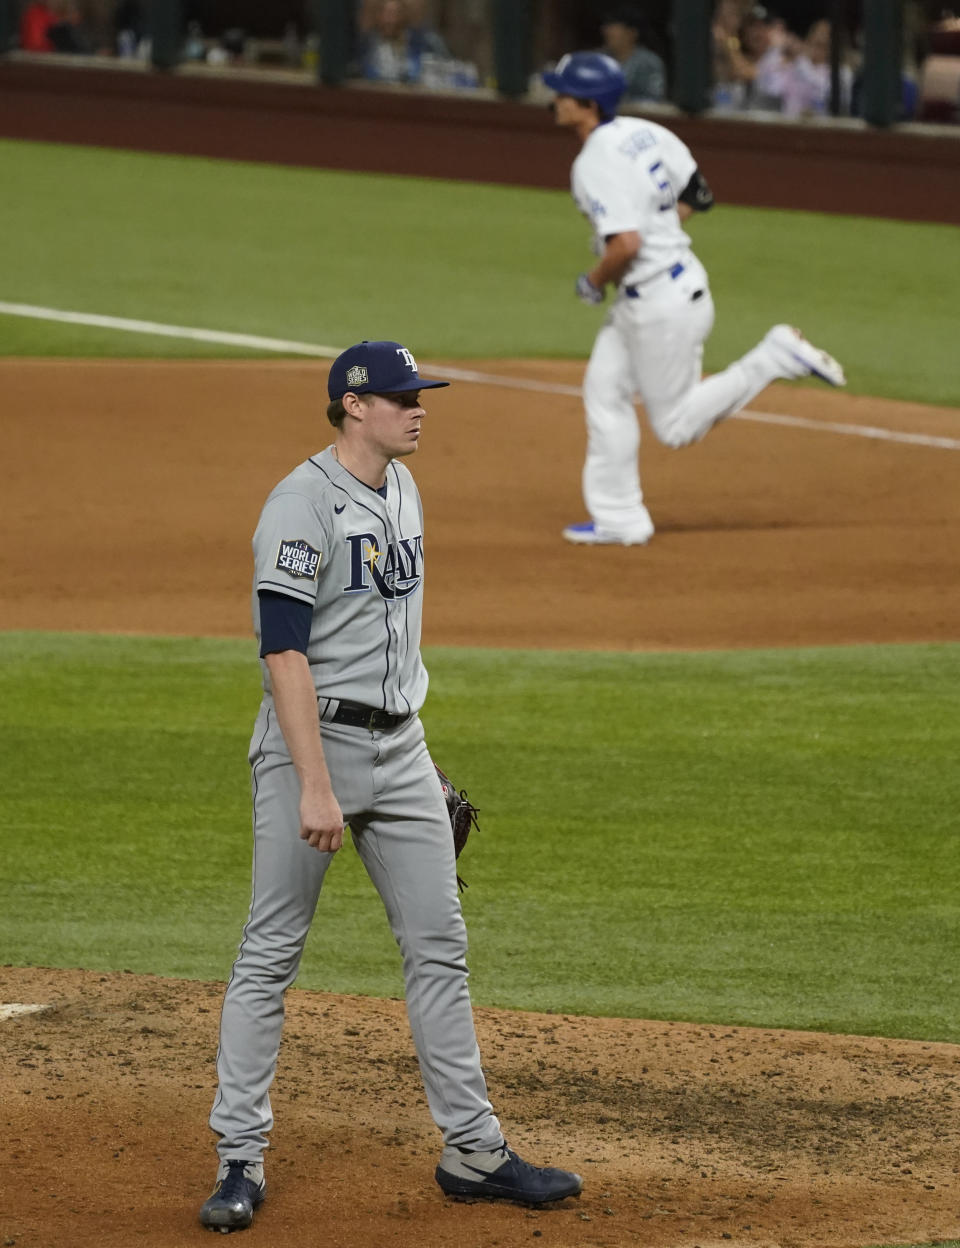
(394, 571)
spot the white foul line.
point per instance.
(289, 347)
(252, 341)
(13, 1008)
(858, 431)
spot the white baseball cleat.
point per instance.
(587, 534)
(799, 358)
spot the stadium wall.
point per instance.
(909, 174)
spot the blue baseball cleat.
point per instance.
(586, 533)
(240, 1189)
(499, 1174)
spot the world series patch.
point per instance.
(298, 558)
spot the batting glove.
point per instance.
(586, 290)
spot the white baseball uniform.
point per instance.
(627, 177)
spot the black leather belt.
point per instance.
(358, 716)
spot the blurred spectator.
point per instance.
(806, 74)
(760, 62)
(741, 55)
(394, 39)
(625, 37)
(728, 86)
(232, 45)
(938, 95)
(765, 66)
(67, 32)
(128, 27)
(770, 46)
(195, 45)
(35, 22)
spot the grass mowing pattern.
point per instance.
(758, 838)
(455, 269)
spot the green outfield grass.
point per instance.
(454, 269)
(753, 837)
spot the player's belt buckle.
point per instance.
(369, 717)
(384, 719)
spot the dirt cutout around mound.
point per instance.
(132, 491)
(685, 1135)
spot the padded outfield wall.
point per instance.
(912, 173)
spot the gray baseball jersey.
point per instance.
(327, 539)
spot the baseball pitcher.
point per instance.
(337, 601)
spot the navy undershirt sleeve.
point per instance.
(284, 623)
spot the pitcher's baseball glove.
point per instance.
(463, 815)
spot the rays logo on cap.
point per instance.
(376, 368)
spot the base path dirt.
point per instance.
(685, 1135)
(131, 491)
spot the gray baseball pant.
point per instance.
(388, 791)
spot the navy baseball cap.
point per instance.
(376, 368)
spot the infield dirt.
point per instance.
(132, 490)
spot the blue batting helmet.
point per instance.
(589, 76)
